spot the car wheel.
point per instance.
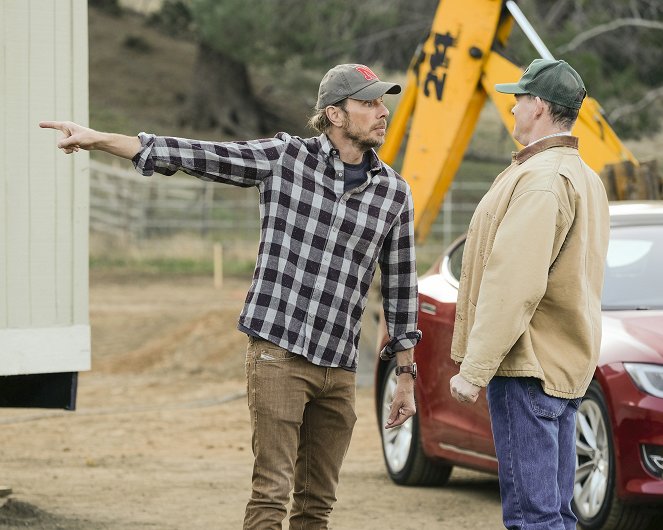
(405, 460)
(595, 502)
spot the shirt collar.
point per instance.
(563, 133)
(330, 152)
(327, 148)
(543, 144)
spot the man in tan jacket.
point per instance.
(528, 319)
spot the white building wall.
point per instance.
(44, 208)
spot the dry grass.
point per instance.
(139, 87)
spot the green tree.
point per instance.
(617, 47)
(288, 38)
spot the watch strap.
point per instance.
(407, 369)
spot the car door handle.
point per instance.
(428, 308)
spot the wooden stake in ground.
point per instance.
(218, 265)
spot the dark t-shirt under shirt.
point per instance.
(355, 174)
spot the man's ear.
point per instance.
(540, 108)
(335, 115)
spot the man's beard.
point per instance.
(362, 141)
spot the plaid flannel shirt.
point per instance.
(319, 245)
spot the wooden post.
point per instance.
(218, 265)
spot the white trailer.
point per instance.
(44, 204)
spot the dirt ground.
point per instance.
(161, 436)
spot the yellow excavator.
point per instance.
(450, 77)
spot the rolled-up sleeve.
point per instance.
(242, 164)
(399, 283)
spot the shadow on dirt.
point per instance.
(15, 514)
(483, 486)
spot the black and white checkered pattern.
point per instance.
(319, 245)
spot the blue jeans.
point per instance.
(534, 436)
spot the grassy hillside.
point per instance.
(140, 78)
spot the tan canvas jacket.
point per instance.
(529, 301)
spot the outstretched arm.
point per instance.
(78, 137)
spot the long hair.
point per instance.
(319, 120)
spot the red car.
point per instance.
(619, 433)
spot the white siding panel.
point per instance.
(3, 169)
(81, 171)
(41, 105)
(44, 325)
(42, 350)
(64, 170)
(17, 199)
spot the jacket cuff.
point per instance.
(475, 375)
(402, 342)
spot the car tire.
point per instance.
(404, 458)
(595, 501)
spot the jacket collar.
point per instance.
(537, 147)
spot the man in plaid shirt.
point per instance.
(330, 212)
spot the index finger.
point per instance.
(59, 125)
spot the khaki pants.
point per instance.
(302, 416)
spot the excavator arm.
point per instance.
(449, 79)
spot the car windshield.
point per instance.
(633, 268)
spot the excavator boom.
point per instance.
(449, 79)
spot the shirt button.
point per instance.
(340, 174)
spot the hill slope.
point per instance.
(140, 78)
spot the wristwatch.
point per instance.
(408, 369)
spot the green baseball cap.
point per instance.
(354, 81)
(554, 81)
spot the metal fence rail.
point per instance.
(457, 209)
(133, 208)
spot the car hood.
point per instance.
(632, 336)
